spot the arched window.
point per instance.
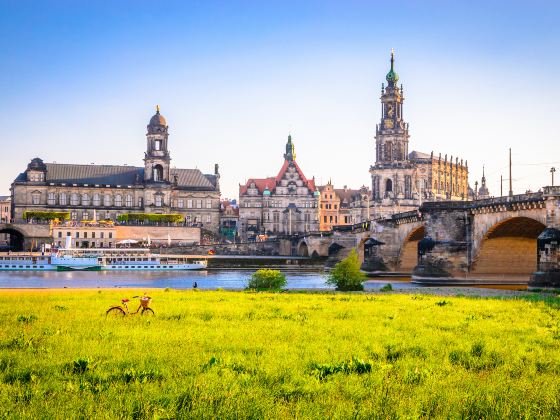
(96, 199)
(51, 199)
(128, 200)
(118, 200)
(158, 173)
(107, 200)
(389, 186)
(74, 199)
(157, 144)
(389, 151)
(85, 199)
(63, 199)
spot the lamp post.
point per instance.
(552, 170)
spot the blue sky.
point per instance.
(79, 81)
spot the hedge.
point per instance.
(149, 217)
(46, 215)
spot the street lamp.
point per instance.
(552, 170)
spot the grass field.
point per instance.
(258, 355)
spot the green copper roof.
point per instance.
(392, 76)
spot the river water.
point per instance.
(211, 279)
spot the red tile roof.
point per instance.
(262, 183)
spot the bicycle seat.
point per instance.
(125, 300)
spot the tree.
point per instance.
(267, 279)
(346, 275)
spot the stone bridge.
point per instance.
(494, 240)
(23, 236)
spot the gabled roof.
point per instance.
(270, 182)
(309, 183)
(260, 184)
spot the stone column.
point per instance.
(443, 254)
(548, 244)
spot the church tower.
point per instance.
(391, 136)
(156, 158)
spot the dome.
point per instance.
(266, 191)
(392, 76)
(158, 119)
(316, 193)
(37, 164)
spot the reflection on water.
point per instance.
(212, 279)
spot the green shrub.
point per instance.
(46, 215)
(267, 279)
(150, 217)
(346, 275)
(387, 288)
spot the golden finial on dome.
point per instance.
(157, 109)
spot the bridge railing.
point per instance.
(466, 205)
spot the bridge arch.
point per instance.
(15, 237)
(508, 247)
(303, 249)
(408, 254)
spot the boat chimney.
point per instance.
(68, 242)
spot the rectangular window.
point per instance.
(35, 198)
(208, 204)
(158, 201)
(180, 203)
(51, 200)
(198, 204)
(324, 219)
(189, 204)
(77, 234)
(93, 235)
(60, 234)
(208, 218)
(102, 235)
(74, 215)
(110, 235)
(85, 234)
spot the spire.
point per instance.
(290, 154)
(157, 109)
(392, 77)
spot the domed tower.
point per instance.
(36, 171)
(391, 136)
(156, 158)
(290, 154)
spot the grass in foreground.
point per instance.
(259, 355)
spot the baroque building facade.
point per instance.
(335, 206)
(98, 192)
(401, 181)
(285, 204)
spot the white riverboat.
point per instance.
(102, 259)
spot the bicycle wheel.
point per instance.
(115, 312)
(147, 312)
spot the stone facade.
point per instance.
(106, 191)
(401, 181)
(285, 204)
(84, 236)
(5, 217)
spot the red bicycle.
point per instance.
(122, 310)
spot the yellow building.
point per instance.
(335, 206)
